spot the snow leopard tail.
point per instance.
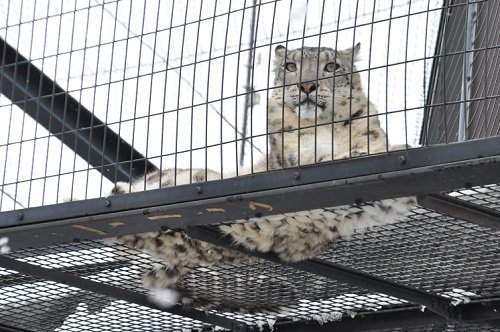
(302, 235)
(354, 219)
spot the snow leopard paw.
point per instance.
(161, 276)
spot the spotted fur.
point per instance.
(318, 111)
(334, 111)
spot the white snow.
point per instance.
(323, 317)
(270, 323)
(4, 248)
(260, 324)
(352, 314)
(458, 296)
(164, 298)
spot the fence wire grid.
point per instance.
(355, 99)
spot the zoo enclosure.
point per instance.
(455, 107)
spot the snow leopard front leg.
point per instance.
(175, 251)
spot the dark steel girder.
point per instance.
(395, 174)
(67, 119)
(116, 292)
(460, 209)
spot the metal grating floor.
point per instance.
(428, 250)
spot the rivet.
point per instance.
(20, 216)
(402, 159)
(107, 203)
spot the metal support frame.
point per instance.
(117, 293)
(67, 119)
(392, 319)
(389, 319)
(395, 174)
(460, 209)
(6, 328)
(8, 281)
(433, 302)
(441, 309)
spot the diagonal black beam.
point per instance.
(485, 310)
(85, 270)
(7, 328)
(67, 119)
(117, 293)
(460, 209)
(433, 302)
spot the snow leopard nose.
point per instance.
(307, 88)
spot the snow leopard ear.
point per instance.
(280, 51)
(355, 52)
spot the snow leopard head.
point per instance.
(313, 79)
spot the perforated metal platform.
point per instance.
(429, 251)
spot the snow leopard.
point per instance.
(317, 112)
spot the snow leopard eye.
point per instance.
(290, 66)
(332, 66)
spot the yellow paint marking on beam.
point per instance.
(115, 224)
(215, 210)
(89, 229)
(253, 206)
(165, 216)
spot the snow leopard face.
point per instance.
(312, 78)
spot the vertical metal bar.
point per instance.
(470, 31)
(18, 171)
(101, 21)
(299, 111)
(176, 150)
(443, 56)
(236, 132)
(137, 80)
(65, 103)
(249, 84)
(79, 98)
(387, 76)
(268, 87)
(433, 79)
(3, 60)
(123, 80)
(166, 59)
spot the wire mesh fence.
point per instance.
(268, 101)
(185, 84)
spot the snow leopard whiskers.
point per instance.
(317, 112)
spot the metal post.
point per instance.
(249, 86)
(470, 32)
